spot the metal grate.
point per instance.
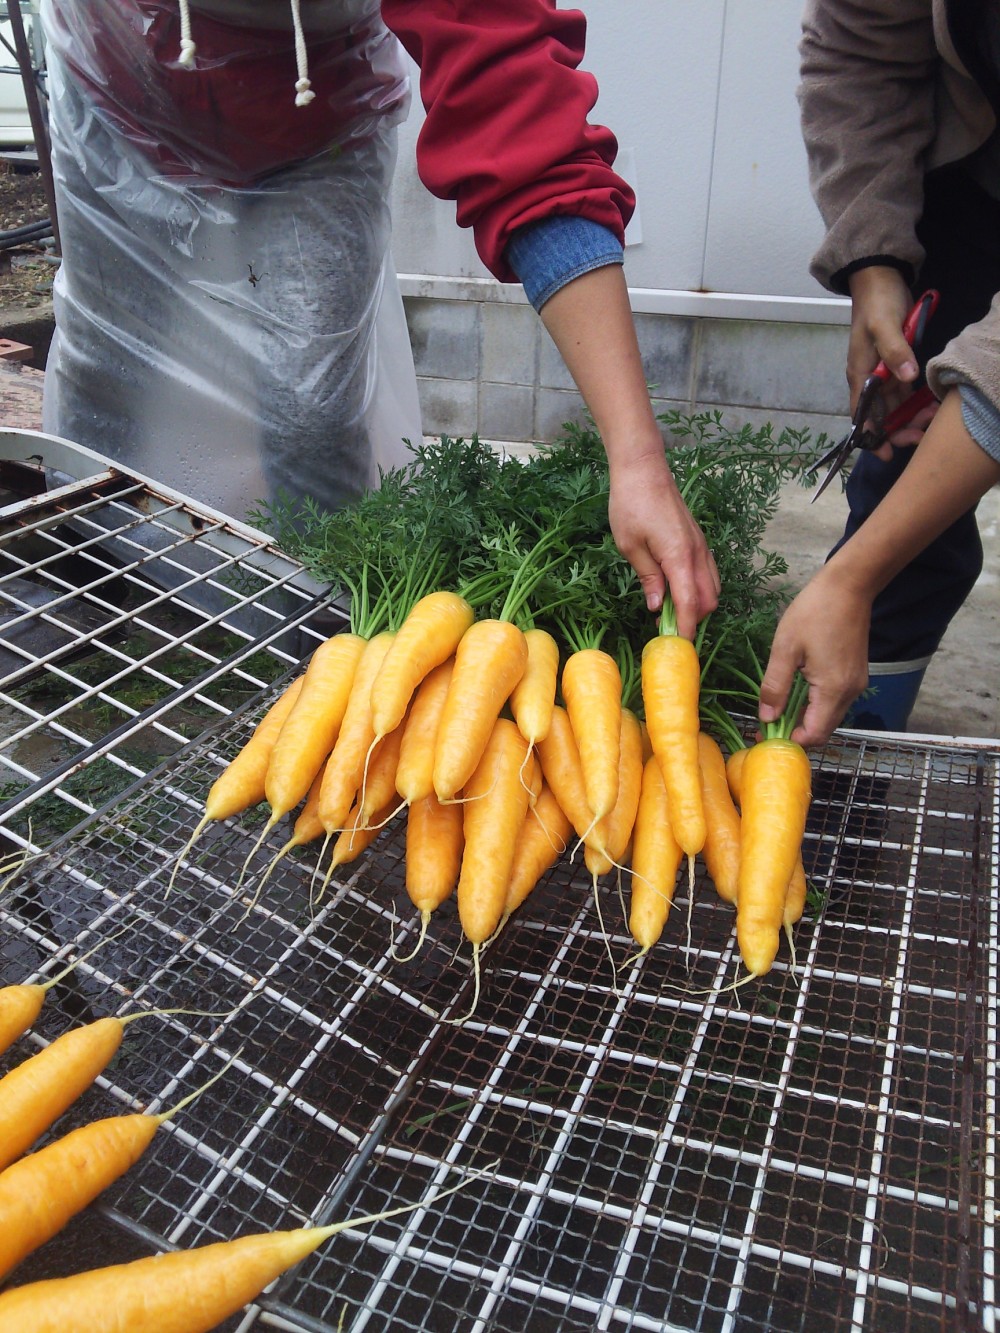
(817, 1150)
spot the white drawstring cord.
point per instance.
(188, 48)
(303, 88)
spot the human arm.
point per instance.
(590, 321)
(824, 632)
(506, 135)
(867, 98)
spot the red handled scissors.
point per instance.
(870, 426)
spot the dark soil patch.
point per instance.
(25, 271)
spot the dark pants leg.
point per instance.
(960, 231)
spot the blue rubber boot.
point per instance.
(892, 692)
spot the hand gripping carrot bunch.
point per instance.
(182, 1292)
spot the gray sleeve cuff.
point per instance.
(981, 419)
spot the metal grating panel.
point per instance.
(817, 1150)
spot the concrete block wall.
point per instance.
(489, 367)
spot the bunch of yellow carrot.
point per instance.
(500, 744)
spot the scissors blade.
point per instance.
(831, 473)
(834, 459)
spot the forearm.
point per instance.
(590, 321)
(824, 632)
(603, 357)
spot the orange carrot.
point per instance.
(534, 696)
(489, 662)
(21, 1003)
(346, 768)
(38, 1090)
(798, 885)
(775, 789)
(656, 857)
(311, 728)
(722, 820)
(592, 689)
(241, 783)
(560, 760)
(186, 1291)
(613, 834)
(415, 770)
(427, 637)
(671, 678)
(40, 1193)
(540, 843)
(435, 838)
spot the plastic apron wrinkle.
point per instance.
(235, 342)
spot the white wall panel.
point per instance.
(762, 223)
(701, 95)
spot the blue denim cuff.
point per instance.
(981, 420)
(546, 255)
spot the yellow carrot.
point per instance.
(241, 784)
(21, 1003)
(415, 770)
(427, 637)
(345, 770)
(656, 856)
(560, 760)
(721, 851)
(539, 845)
(671, 679)
(489, 662)
(496, 801)
(613, 834)
(435, 838)
(775, 787)
(37, 1091)
(592, 690)
(311, 728)
(40, 1193)
(798, 885)
(534, 695)
(187, 1291)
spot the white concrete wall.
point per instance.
(701, 95)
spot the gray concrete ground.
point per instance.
(960, 695)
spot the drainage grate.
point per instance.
(817, 1150)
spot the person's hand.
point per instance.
(880, 302)
(824, 634)
(654, 530)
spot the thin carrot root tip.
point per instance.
(184, 852)
(605, 937)
(254, 850)
(634, 957)
(791, 948)
(477, 982)
(425, 919)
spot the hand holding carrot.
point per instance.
(654, 530)
(824, 634)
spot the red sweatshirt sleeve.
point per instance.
(506, 133)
